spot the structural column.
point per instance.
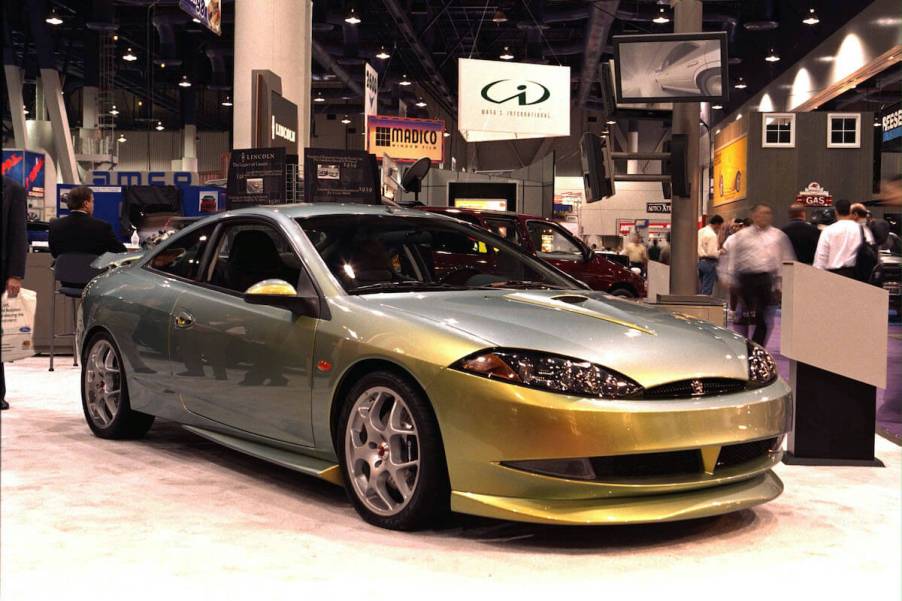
(684, 210)
(632, 145)
(274, 35)
(16, 112)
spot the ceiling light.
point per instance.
(319, 97)
(346, 120)
(773, 57)
(185, 83)
(140, 103)
(352, 17)
(115, 38)
(24, 109)
(196, 20)
(740, 85)
(114, 111)
(447, 134)
(811, 19)
(382, 54)
(499, 17)
(121, 139)
(54, 18)
(404, 81)
(717, 107)
(159, 126)
(129, 56)
(661, 18)
(738, 117)
(421, 103)
(506, 55)
(611, 122)
(227, 101)
(877, 122)
(162, 65)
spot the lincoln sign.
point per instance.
(512, 101)
(405, 139)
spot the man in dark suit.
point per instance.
(79, 232)
(13, 247)
(802, 235)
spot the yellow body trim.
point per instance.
(550, 303)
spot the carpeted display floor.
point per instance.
(176, 517)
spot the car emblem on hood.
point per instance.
(698, 387)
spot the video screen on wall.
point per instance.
(671, 67)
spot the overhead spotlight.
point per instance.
(114, 111)
(159, 126)
(773, 57)
(661, 18)
(195, 20)
(227, 101)
(740, 84)
(185, 82)
(404, 81)
(506, 55)
(115, 38)
(53, 18)
(811, 19)
(447, 134)
(499, 17)
(140, 103)
(382, 54)
(319, 97)
(121, 139)
(877, 122)
(129, 56)
(346, 120)
(352, 17)
(611, 122)
(162, 65)
(24, 109)
(420, 103)
(717, 107)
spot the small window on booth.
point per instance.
(778, 130)
(843, 130)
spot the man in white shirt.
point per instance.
(708, 254)
(752, 259)
(837, 248)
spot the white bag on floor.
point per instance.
(18, 326)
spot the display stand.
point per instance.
(700, 306)
(834, 332)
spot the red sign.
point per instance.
(814, 195)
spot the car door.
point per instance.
(242, 365)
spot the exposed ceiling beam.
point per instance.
(598, 30)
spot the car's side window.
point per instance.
(504, 228)
(248, 253)
(182, 257)
(549, 240)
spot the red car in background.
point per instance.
(553, 243)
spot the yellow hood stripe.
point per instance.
(550, 303)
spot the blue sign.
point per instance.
(142, 178)
(206, 12)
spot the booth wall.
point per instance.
(600, 218)
(155, 151)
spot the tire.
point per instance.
(370, 443)
(623, 293)
(108, 415)
(709, 83)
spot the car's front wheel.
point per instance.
(104, 393)
(391, 454)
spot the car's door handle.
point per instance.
(184, 320)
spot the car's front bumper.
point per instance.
(485, 423)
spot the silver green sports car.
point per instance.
(427, 366)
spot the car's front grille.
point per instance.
(695, 388)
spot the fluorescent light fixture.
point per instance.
(404, 81)
(499, 17)
(382, 54)
(877, 122)
(129, 56)
(352, 17)
(661, 18)
(346, 120)
(159, 126)
(195, 19)
(811, 19)
(506, 55)
(227, 101)
(420, 103)
(447, 134)
(773, 57)
(53, 18)
(184, 83)
(740, 84)
(319, 98)
(611, 122)
(717, 107)
(114, 111)
(121, 139)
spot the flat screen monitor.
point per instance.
(671, 67)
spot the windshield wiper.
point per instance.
(406, 285)
(521, 285)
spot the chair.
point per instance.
(72, 271)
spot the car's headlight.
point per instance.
(762, 367)
(549, 372)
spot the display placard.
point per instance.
(256, 177)
(333, 175)
(206, 12)
(406, 139)
(730, 177)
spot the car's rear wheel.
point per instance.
(623, 292)
(104, 393)
(391, 454)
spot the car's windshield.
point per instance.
(379, 253)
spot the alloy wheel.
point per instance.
(382, 451)
(103, 383)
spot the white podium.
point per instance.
(834, 330)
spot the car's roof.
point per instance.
(303, 210)
(487, 212)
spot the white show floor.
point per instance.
(176, 517)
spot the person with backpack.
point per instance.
(846, 247)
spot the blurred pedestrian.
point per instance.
(13, 248)
(665, 250)
(635, 250)
(801, 234)
(737, 225)
(709, 254)
(654, 251)
(753, 261)
(843, 247)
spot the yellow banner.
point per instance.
(730, 171)
(405, 139)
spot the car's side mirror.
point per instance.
(279, 293)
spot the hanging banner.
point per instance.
(206, 12)
(371, 95)
(499, 100)
(406, 139)
(730, 177)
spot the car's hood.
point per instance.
(651, 346)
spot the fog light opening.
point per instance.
(574, 469)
